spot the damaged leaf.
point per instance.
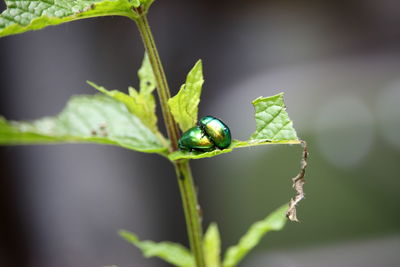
(298, 183)
(272, 120)
(235, 144)
(273, 126)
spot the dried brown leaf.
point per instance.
(298, 183)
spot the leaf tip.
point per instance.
(213, 225)
(99, 88)
(197, 68)
(128, 236)
(122, 232)
(95, 86)
(212, 229)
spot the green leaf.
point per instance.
(184, 105)
(172, 253)
(272, 120)
(235, 144)
(212, 246)
(25, 15)
(273, 222)
(273, 126)
(97, 119)
(146, 76)
(141, 104)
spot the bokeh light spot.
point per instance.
(344, 131)
(388, 112)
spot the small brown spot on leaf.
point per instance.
(91, 7)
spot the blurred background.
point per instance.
(339, 66)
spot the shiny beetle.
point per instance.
(217, 131)
(195, 139)
(210, 133)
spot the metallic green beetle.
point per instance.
(217, 131)
(195, 139)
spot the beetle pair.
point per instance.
(210, 133)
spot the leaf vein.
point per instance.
(271, 120)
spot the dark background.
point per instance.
(339, 66)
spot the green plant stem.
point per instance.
(191, 209)
(162, 84)
(182, 168)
